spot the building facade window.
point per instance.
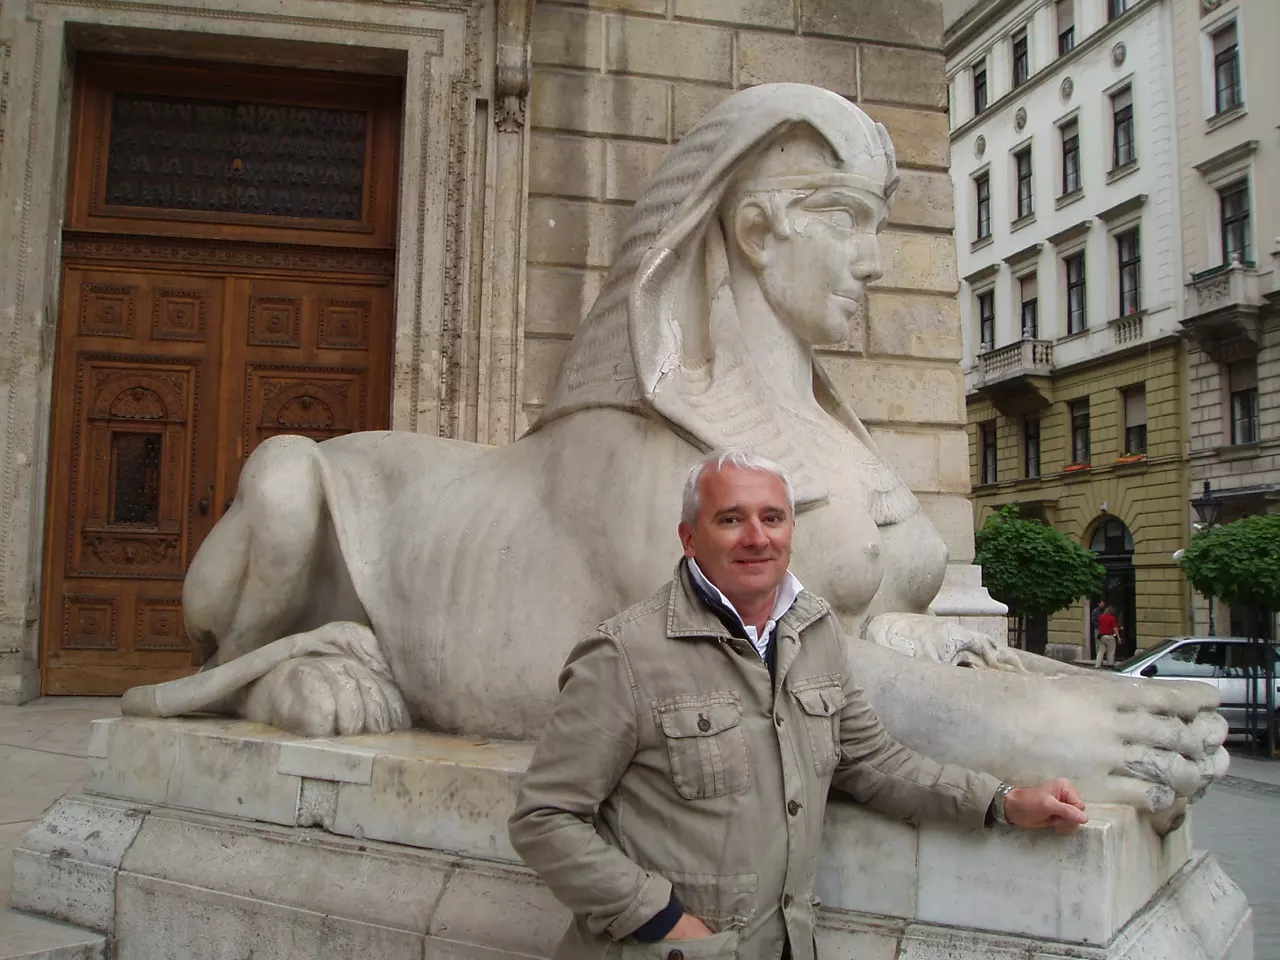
(1021, 60)
(1070, 157)
(1031, 447)
(1124, 150)
(1076, 318)
(1243, 379)
(1227, 92)
(1079, 410)
(1129, 254)
(1066, 10)
(1135, 420)
(987, 320)
(1022, 163)
(1115, 8)
(982, 190)
(979, 87)
(1233, 201)
(988, 430)
(1030, 309)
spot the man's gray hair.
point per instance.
(743, 460)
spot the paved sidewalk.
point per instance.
(43, 745)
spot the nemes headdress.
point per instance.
(640, 349)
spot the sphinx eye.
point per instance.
(841, 217)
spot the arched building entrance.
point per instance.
(1113, 544)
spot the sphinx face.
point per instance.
(814, 270)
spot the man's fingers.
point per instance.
(1065, 812)
(1066, 791)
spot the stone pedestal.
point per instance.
(218, 839)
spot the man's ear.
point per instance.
(752, 225)
(686, 538)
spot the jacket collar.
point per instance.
(689, 616)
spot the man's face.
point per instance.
(742, 537)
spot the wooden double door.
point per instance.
(166, 381)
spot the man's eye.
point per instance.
(728, 520)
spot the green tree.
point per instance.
(1238, 561)
(1033, 568)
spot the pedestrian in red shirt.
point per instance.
(1108, 637)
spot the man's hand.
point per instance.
(1055, 804)
(689, 927)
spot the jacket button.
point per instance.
(786, 900)
(704, 725)
(793, 807)
(675, 955)
(777, 719)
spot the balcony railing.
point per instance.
(1223, 310)
(1127, 329)
(1020, 359)
(1231, 285)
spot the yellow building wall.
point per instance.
(1147, 496)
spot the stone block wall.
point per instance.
(617, 82)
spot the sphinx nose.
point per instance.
(867, 265)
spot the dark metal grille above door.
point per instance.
(264, 159)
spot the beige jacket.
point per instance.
(669, 762)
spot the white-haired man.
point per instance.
(675, 801)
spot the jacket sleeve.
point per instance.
(585, 749)
(883, 774)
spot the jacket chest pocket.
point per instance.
(820, 711)
(705, 745)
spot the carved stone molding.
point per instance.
(514, 68)
(1208, 6)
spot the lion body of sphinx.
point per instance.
(478, 568)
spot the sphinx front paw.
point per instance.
(324, 696)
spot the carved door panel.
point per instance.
(308, 358)
(136, 386)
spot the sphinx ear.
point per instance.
(752, 227)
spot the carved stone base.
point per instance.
(213, 839)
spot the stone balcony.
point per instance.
(1222, 310)
(1017, 378)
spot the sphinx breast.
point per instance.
(840, 554)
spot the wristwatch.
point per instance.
(997, 803)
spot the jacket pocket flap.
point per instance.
(704, 720)
(820, 701)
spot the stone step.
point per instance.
(24, 936)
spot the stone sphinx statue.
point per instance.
(380, 580)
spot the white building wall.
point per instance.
(1095, 69)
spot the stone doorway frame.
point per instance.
(459, 296)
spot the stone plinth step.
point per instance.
(24, 936)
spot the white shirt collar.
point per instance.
(788, 590)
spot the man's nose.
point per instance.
(754, 533)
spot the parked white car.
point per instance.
(1221, 661)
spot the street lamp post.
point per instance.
(1208, 509)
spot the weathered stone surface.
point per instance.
(531, 919)
(632, 6)
(160, 918)
(923, 200)
(558, 298)
(893, 75)
(778, 14)
(565, 232)
(920, 137)
(888, 392)
(631, 106)
(683, 51)
(629, 166)
(910, 22)
(570, 168)
(567, 38)
(24, 936)
(690, 103)
(918, 262)
(766, 58)
(542, 359)
(913, 454)
(914, 326)
(66, 866)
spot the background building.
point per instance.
(1064, 166)
(170, 295)
(1228, 114)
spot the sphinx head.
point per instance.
(805, 221)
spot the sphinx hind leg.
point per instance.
(250, 579)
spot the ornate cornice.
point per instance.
(227, 254)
